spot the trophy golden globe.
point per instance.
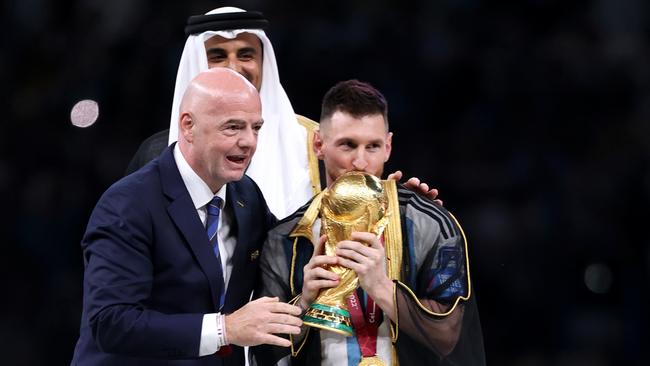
(355, 202)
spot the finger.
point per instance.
(282, 307)
(396, 176)
(413, 181)
(322, 273)
(283, 319)
(366, 250)
(354, 256)
(433, 193)
(369, 238)
(274, 341)
(321, 260)
(265, 299)
(424, 187)
(347, 263)
(438, 201)
(357, 246)
(317, 285)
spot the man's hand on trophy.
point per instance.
(315, 277)
(365, 255)
(416, 185)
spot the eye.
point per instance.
(231, 129)
(246, 55)
(216, 56)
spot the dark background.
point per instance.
(532, 117)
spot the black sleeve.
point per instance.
(149, 149)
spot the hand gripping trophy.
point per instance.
(355, 202)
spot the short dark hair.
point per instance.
(356, 98)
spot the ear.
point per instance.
(185, 127)
(389, 145)
(318, 145)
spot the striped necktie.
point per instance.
(212, 226)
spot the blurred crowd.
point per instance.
(531, 117)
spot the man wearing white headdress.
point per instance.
(284, 166)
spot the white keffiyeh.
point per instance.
(280, 165)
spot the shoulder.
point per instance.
(153, 146)
(309, 124)
(247, 189)
(246, 192)
(128, 207)
(283, 227)
(296, 215)
(134, 190)
(418, 209)
(157, 140)
(148, 150)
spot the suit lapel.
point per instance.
(242, 218)
(183, 214)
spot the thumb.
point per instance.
(395, 176)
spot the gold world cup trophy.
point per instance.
(355, 202)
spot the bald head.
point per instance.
(220, 116)
(216, 86)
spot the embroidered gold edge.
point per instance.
(314, 175)
(294, 353)
(303, 228)
(304, 225)
(393, 232)
(293, 266)
(459, 298)
(394, 328)
(394, 250)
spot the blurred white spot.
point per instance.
(84, 113)
(598, 278)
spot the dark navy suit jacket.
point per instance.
(150, 273)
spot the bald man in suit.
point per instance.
(158, 285)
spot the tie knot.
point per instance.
(214, 207)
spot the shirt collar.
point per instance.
(199, 191)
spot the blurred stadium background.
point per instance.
(532, 117)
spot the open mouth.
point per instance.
(237, 159)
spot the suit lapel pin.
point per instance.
(240, 203)
(255, 255)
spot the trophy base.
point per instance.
(330, 318)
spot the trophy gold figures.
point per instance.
(355, 202)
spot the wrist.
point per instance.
(382, 291)
(222, 341)
(222, 334)
(304, 306)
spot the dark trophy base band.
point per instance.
(329, 318)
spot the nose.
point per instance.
(233, 64)
(247, 138)
(360, 161)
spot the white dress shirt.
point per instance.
(201, 195)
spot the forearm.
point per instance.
(137, 332)
(435, 325)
